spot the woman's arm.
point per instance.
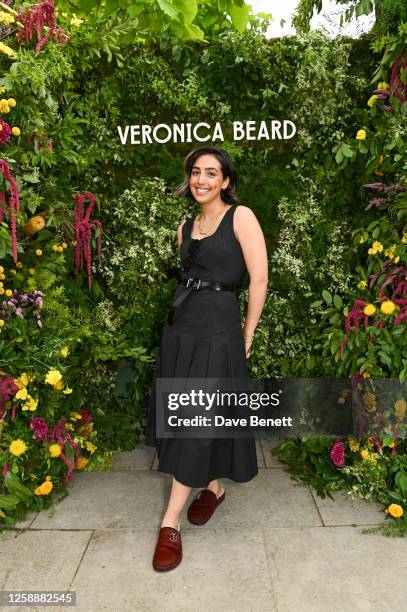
(179, 233)
(251, 238)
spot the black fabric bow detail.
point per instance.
(192, 250)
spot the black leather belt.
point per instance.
(196, 284)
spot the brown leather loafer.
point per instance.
(168, 551)
(203, 506)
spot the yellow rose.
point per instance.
(64, 245)
(8, 292)
(38, 252)
(17, 447)
(387, 307)
(364, 454)
(13, 272)
(395, 510)
(361, 135)
(2, 276)
(19, 264)
(371, 100)
(369, 310)
(65, 351)
(30, 404)
(15, 131)
(53, 377)
(11, 102)
(90, 447)
(59, 385)
(2, 269)
(7, 50)
(55, 247)
(22, 394)
(55, 450)
(1, 322)
(60, 249)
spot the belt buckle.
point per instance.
(189, 281)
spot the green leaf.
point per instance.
(15, 487)
(87, 5)
(363, 148)
(240, 17)
(384, 358)
(166, 8)
(327, 296)
(346, 150)
(8, 502)
(338, 301)
(135, 9)
(187, 8)
(30, 178)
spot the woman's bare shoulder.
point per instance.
(244, 214)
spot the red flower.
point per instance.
(338, 454)
(5, 132)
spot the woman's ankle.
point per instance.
(171, 522)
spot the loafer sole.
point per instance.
(168, 567)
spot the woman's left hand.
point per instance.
(247, 345)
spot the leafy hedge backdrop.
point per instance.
(88, 256)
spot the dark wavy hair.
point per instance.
(228, 195)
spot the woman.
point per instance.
(203, 338)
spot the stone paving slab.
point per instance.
(272, 545)
(137, 499)
(109, 500)
(271, 498)
(345, 511)
(221, 570)
(337, 568)
(267, 444)
(40, 560)
(140, 458)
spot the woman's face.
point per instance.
(206, 180)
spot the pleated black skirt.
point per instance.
(205, 341)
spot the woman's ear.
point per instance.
(225, 183)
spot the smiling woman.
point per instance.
(203, 338)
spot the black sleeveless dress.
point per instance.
(205, 340)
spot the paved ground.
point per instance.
(272, 546)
